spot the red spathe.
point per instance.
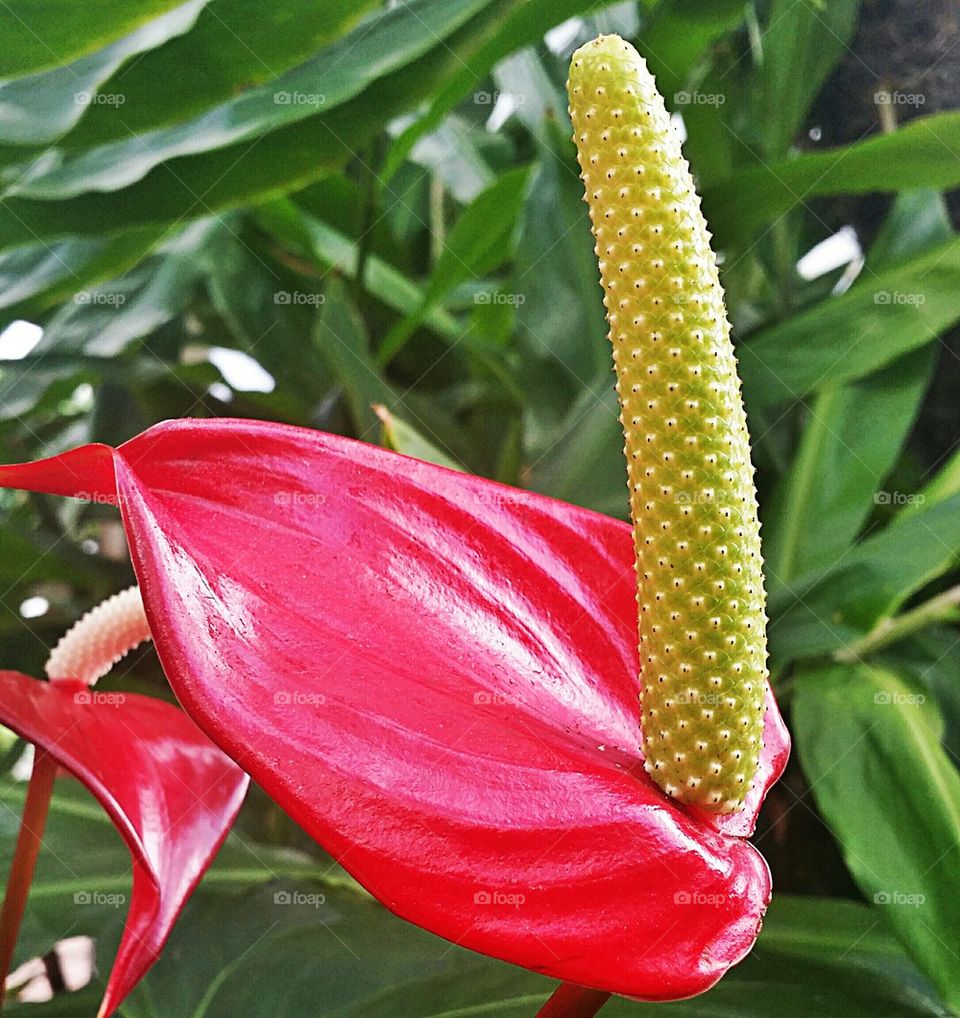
(437, 677)
(171, 794)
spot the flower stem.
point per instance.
(32, 823)
(572, 1001)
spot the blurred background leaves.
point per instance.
(367, 218)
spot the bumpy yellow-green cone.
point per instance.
(700, 586)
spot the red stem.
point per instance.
(571, 1001)
(32, 823)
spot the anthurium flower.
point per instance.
(437, 677)
(169, 791)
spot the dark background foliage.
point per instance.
(368, 219)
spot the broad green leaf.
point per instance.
(342, 340)
(920, 154)
(481, 240)
(555, 278)
(334, 250)
(584, 462)
(48, 33)
(520, 25)
(344, 957)
(892, 798)
(945, 484)
(840, 465)
(43, 106)
(402, 437)
(932, 658)
(35, 277)
(82, 884)
(380, 46)
(882, 317)
(101, 321)
(822, 613)
(678, 34)
(917, 221)
(235, 45)
(285, 159)
(801, 44)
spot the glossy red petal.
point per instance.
(170, 792)
(437, 677)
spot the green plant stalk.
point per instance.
(693, 502)
(890, 630)
(29, 840)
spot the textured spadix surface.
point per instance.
(171, 793)
(697, 536)
(436, 676)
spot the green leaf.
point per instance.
(801, 45)
(824, 612)
(944, 485)
(847, 337)
(47, 33)
(584, 462)
(101, 321)
(35, 277)
(380, 46)
(235, 45)
(481, 240)
(333, 249)
(678, 35)
(917, 221)
(404, 438)
(41, 107)
(285, 159)
(828, 494)
(521, 25)
(560, 318)
(892, 797)
(342, 340)
(920, 154)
